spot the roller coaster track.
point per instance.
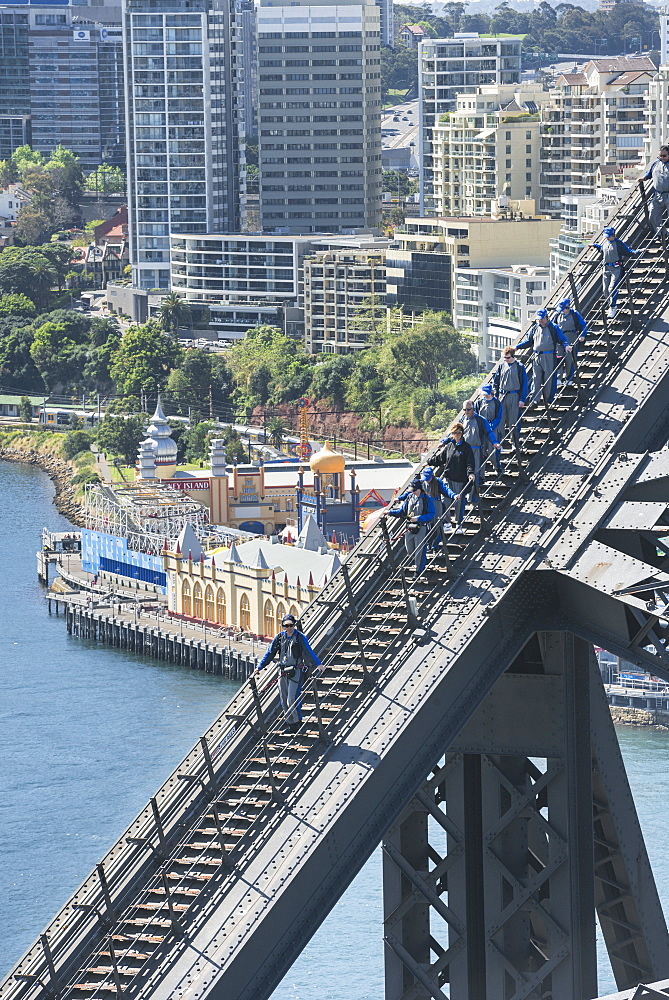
(222, 878)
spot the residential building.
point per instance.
(245, 280)
(596, 117)
(493, 305)
(12, 199)
(487, 147)
(185, 164)
(242, 280)
(421, 270)
(657, 112)
(246, 66)
(335, 284)
(583, 217)
(459, 65)
(61, 80)
(319, 117)
(411, 35)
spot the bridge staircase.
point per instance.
(459, 720)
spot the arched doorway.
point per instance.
(280, 612)
(209, 612)
(186, 608)
(245, 613)
(220, 607)
(268, 619)
(198, 609)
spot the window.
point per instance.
(280, 615)
(508, 135)
(528, 177)
(268, 620)
(185, 599)
(245, 613)
(508, 163)
(528, 134)
(528, 163)
(220, 606)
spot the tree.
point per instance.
(121, 435)
(26, 159)
(174, 312)
(191, 386)
(16, 304)
(287, 367)
(32, 225)
(76, 441)
(143, 360)
(26, 410)
(8, 173)
(68, 178)
(53, 351)
(426, 353)
(106, 179)
(277, 431)
(27, 270)
(17, 368)
(331, 378)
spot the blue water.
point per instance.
(87, 734)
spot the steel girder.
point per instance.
(523, 832)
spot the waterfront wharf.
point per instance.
(151, 632)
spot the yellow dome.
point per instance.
(326, 461)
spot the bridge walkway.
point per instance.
(222, 878)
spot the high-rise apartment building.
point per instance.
(451, 66)
(487, 148)
(61, 80)
(595, 118)
(185, 164)
(319, 123)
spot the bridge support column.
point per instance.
(493, 873)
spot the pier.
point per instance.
(187, 645)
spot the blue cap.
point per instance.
(416, 484)
(609, 231)
(487, 389)
(427, 473)
(541, 313)
(564, 304)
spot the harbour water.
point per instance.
(88, 733)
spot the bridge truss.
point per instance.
(463, 726)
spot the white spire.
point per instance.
(311, 537)
(189, 542)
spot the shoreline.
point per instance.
(60, 473)
(639, 718)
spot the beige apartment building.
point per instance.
(335, 284)
(486, 149)
(595, 118)
(421, 271)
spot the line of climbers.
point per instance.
(477, 435)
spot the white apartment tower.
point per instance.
(451, 66)
(184, 171)
(319, 116)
